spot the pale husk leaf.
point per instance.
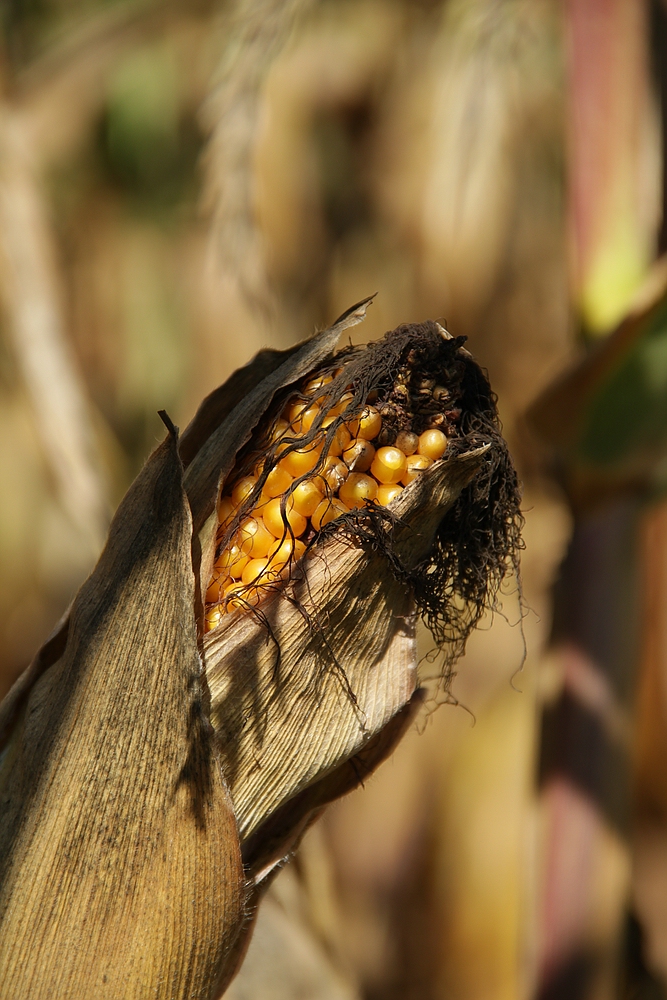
(345, 629)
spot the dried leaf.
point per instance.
(113, 800)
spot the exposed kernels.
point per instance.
(432, 444)
(388, 465)
(334, 473)
(284, 552)
(255, 539)
(297, 463)
(277, 482)
(358, 488)
(340, 440)
(341, 405)
(415, 465)
(256, 571)
(279, 429)
(293, 411)
(308, 418)
(212, 617)
(407, 442)
(387, 492)
(301, 416)
(216, 588)
(242, 489)
(359, 455)
(225, 509)
(367, 425)
(231, 561)
(306, 497)
(273, 519)
(238, 595)
(316, 383)
(327, 511)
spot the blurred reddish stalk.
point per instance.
(613, 152)
(584, 767)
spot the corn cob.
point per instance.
(323, 455)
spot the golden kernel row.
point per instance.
(354, 472)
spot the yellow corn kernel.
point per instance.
(217, 587)
(273, 518)
(407, 442)
(367, 425)
(256, 571)
(432, 444)
(327, 511)
(279, 429)
(212, 617)
(341, 438)
(225, 509)
(277, 482)
(301, 461)
(255, 539)
(415, 465)
(306, 497)
(289, 550)
(358, 488)
(388, 492)
(341, 405)
(302, 416)
(238, 595)
(242, 489)
(294, 410)
(316, 383)
(333, 474)
(359, 455)
(388, 465)
(231, 561)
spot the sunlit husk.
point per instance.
(345, 628)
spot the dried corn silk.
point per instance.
(337, 449)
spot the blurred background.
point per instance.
(184, 183)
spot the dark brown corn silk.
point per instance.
(333, 452)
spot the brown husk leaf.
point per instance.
(120, 867)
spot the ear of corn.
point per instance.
(324, 455)
(119, 844)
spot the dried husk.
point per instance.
(324, 670)
(120, 866)
(133, 785)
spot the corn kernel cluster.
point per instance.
(358, 468)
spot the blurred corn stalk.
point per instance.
(606, 424)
